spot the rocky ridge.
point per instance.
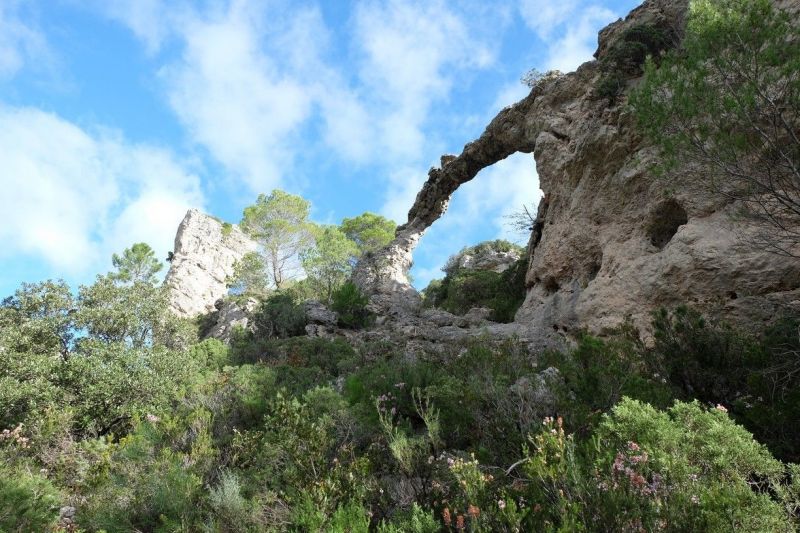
(206, 250)
(611, 242)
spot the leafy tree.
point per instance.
(328, 264)
(249, 276)
(728, 104)
(279, 223)
(39, 318)
(369, 231)
(136, 315)
(136, 264)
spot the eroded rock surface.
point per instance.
(231, 314)
(611, 241)
(204, 256)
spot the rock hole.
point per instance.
(550, 285)
(665, 220)
(732, 295)
(594, 268)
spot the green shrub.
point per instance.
(755, 376)
(415, 520)
(626, 57)
(463, 289)
(210, 353)
(598, 373)
(690, 467)
(28, 501)
(280, 316)
(351, 305)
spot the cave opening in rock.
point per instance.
(664, 222)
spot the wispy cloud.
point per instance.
(569, 28)
(20, 42)
(72, 197)
(412, 53)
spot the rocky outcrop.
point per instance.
(230, 314)
(206, 250)
(611, 241)
(492, 260)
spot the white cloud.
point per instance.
(568, 27)
(508, 94)
(403, 185)
(412, 53)
(235, 100)
(253, 77)
(20, 43)
(579, 41)
(149, 20)
(72, 197)
(546, 16)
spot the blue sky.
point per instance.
(117, 116)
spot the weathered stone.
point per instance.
(609, 243)
(318, 313)
(493, 260)
(205, 253)
(231, 313)
(477, 315)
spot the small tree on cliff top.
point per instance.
(279, 223)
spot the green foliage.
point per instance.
(137, 264)
(28, 501)
(415, 520)
(370, 232)
(598, 373)
(128, 357)
(136, 315)
(728, 104)
(249, 276)
(351, 305)
(627, 56)
(329, 264)
(316, 434)
(210, 353)
(462, 289)
(280, 316)
(150, 486)
(279, 223)
(756, 377)
(691, 467)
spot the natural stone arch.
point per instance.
(384, 274)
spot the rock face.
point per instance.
(204, 255)
(493, 260)
(611, 242)
(229, 315)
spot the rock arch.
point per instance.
(590, 264)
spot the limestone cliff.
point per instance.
(611, 241)
(204, 255)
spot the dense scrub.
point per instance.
(282, 432)
(464, 287)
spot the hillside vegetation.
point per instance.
(117, 416)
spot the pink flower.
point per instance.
(721, 407)
(501, 504)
